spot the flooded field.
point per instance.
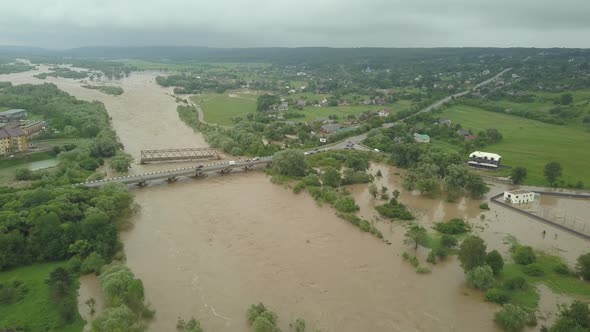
(209, 248)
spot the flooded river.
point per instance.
(210, 248)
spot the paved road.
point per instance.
(356, 140)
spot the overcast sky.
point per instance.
(336, 23)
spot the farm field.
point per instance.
(221, 108)
(530, 143)
(35, 311)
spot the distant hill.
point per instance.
(317, 55)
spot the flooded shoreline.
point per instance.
(212, 247)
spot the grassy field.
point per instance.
(559, 283)
(221, 108)
(35, 311)
(530, 143)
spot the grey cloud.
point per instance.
(344, 23)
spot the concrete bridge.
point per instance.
(172, 175)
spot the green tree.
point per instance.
(357, 162)
(373, 190)
(416, 235)
(524, 255)
(331, 177)
(481, 277)
(476, 186)
(576, 318)
(518, 174)
(121, 162)
(92, 264)
(265, 101)
(495, 261)
(117, 319)
(448, 241)
(472, 253)
(289, 162)
(583, 266)
(566, 99)
(511, 318)
(552, 171)
(298, 325)
(346, 204)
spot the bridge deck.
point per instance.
(186, 171)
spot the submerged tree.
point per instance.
(416, 235)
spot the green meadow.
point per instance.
(221, 108)
(530, 143)
(35, 311)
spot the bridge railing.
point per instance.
(184, 154)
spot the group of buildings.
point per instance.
(16, 131)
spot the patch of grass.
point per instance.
(8, 166)
(559, 283)
(530, 143)
(35, 312)
(221, 108)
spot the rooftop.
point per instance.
(9, 112)
(519, 191)
(485, 155)
(11, 132)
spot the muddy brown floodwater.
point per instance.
(210, 248)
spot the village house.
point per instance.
(384, 112)
(443, 121)
(301, 102)
(470, 138)
(367, 102)
(519, 196)
(324, 102)
(13, 140)
(463, 132)
(12, 115)
(284, 106)
(484, 160)
(330, 128)
(421, 138)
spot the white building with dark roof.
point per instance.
(485, 160)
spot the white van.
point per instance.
(232, 162)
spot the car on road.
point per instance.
(232, 162)
(200, 166)
(256, 158)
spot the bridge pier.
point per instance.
(225, 171)
(201, 175)
(171, 179)
(142, 183)
(247, 168)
